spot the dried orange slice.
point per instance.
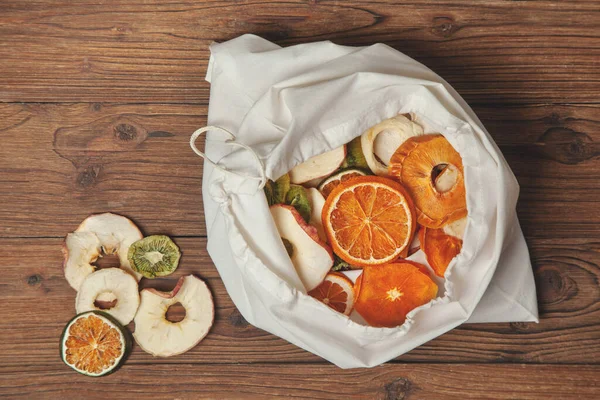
(327, 186)
(416, 164)
(439, 248)
(94, 344)
(386, 294)
(369, 220)
(336, 291)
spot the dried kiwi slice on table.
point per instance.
(94, 344)
(154, 256)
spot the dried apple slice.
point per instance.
(318, 166)
(162, 338)
(439, 248)
(317, 201)
(381, 141)
(100, 233)
(106, 283)
(311, 257)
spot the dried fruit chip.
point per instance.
(354, 155)
(298, 198)
(369, 220)
(275, 191)
(387, 293)
(327, 186)
(94, 344)
(439, 248)
(416, 163)
(154, 256)
(336, 291)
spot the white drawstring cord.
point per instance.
(194, 137)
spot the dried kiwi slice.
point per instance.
(94, 343)
(154, 256)
(297, 198)
(354, 155)
(276, 190)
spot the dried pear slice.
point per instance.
(94, 344)
(100, 233)
(106, 283)
(154, 256)
(162, 338)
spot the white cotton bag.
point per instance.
(272, 108)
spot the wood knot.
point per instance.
(555, 287)
(398, 389)
(444, 27)
(88, 176)
(566, 146)
(96, 107)
(236, 319)
(34, 280)
(552, 119)
(125, 132)
(520, 326)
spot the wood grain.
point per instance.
(37, 302)
(156, 51)
(135, 160)
(306, 381)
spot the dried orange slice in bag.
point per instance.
(387, 293)
(336, 291)
(417, 164)
(439, 248)
(369, 220)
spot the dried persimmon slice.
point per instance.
(432, 172)
(439, 248)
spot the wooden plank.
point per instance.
(306, 381)
(89, 158)
(155, 51)
(86, 159)
(37, 302)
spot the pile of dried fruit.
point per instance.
(96, 342)
(369, 205)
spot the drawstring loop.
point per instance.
(262, 178)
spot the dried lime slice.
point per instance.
(94, 344)
(154, 256)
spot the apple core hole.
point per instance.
(105, 301)
(436, 171)
(107, 261)
(175, 313)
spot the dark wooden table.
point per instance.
(97, 102)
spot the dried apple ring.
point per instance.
(417, 163)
